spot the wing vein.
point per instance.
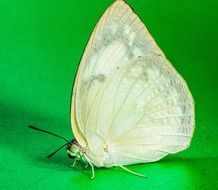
(166, 108)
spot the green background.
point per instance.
(41, 42)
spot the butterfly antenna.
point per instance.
(53, 153)
(48, 132)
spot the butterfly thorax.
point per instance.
(100, 156)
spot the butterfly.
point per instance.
(129, 105)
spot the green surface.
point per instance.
(41, 43)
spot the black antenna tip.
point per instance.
(49, 156)
(45, 131)
(32, 127)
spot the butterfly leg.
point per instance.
(86, 159)
(93, 170)
(132, 172)
(82, 157)
(86, 165)
(74, 163)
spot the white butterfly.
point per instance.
(129, 105)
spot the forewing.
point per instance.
(118, 37)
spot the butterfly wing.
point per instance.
(122, 74)
(154, 117)
(110, 46)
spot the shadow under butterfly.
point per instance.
(129, 105)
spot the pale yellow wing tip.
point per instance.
(119, 0)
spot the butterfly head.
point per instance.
(73, 149)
